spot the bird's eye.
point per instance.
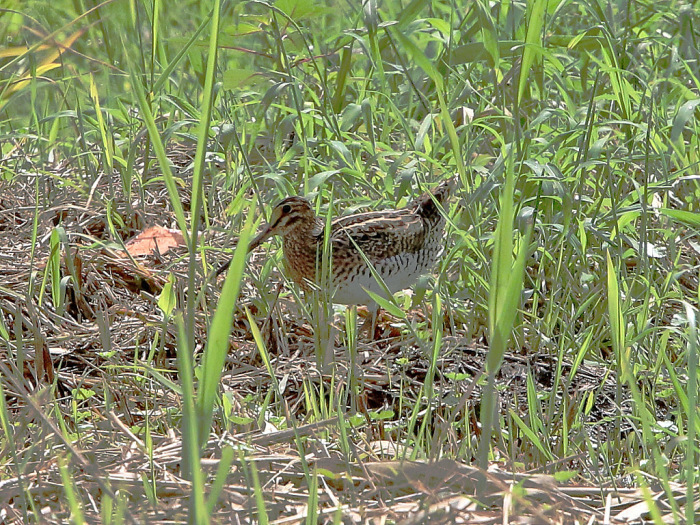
(286, 208)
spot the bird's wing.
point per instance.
(379, 235)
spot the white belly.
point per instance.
(398, 272)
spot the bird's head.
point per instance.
(290, 215)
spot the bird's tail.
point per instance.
(425, 205)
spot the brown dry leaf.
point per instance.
(155, 239)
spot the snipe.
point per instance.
(400, 244)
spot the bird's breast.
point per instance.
(300, 261)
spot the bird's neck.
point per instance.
(300, 251)
(303, 239)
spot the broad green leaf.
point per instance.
(684, 115)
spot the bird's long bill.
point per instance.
(260, 237)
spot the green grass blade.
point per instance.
(213, 369)
(262, 517)
(191, 432)
(205, 117)
(217, 346)
(159, 149)
(691, 443)
(219, 483)
(504, 297)
(533, 43)
(77, 516)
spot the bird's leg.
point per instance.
(324, 328)
(370, 323)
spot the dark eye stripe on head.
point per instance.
(285, 216)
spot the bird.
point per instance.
(400, 244)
